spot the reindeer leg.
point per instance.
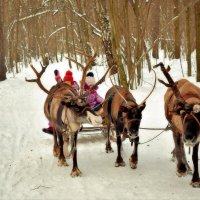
(173, 159)
(66, 144)
(134, 157)
(75, 169)
(61, 157)
(195, 179)
(108, 143)
(179, 151)
(119, 161)
(189, 170)
(56, 150)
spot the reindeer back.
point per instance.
(53, 101)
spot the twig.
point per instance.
(40, 187)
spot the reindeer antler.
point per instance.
(154, 85)
(171, 83)
(84, 68)
(39, 74)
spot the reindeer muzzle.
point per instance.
(189, 143)
(132, 136)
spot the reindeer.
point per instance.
(182, 110)
(67, 110)
(121, 109)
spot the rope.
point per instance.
(166, 129)
(163, 130)
(99, 128)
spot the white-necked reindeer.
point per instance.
(67, 110)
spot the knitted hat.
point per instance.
(68, 77)
(90, 80)
(90, 74)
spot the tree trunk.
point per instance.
(197, 20)
(106, 34)
(2, 50)
(188, 42)
(156, 27)
(116, 43)
(176, 31)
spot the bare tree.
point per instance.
(176, 31)
(197, 19)
(2, 50)
(188, 39)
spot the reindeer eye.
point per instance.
(188, 107)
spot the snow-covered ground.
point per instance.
(28, 169)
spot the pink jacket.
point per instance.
(93, 97)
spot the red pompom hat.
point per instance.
(69, 77)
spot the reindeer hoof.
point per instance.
(109, 150)
(75, 172)
(195, 184)
(133, 165)
(181, 174)
(62, 162)
(120, 164)
(133, 162)
(181, 170)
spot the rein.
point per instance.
(166, 129)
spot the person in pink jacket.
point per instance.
(93, 98)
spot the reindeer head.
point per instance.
(131, 118)
(190, 115)
(76, 104)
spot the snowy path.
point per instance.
(28, 169)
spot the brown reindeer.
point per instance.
(121, 109)
(182, 110)
(67, 110)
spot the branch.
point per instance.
(83, 18)
(73, 60)
(25, 18)
(57, 30)
(164, 28)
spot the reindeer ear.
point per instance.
(123, 109)
(141, 107)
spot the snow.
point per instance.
(28, 169)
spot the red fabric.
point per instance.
(57, 77)
(69, 77)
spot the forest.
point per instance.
(128, 32)
(130, 126)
